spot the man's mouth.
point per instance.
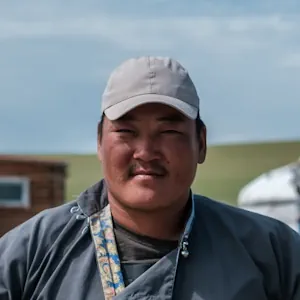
(146, 173)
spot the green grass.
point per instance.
(226, 170)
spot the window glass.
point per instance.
(10, 191)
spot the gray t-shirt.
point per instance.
(138, 253)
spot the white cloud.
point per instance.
(226, 38)
(275, 23)
(291, 60)
(135, 32)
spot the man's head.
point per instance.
(150, 138)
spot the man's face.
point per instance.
(149, 157)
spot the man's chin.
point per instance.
(145, 196)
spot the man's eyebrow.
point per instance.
(126, 117)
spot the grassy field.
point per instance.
(226, 170)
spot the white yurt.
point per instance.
(274, 194)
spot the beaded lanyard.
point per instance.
(106, 252)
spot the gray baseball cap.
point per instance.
(149, 79)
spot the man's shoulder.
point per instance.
(271, 245)
(48, 223)
(240, 221)
(43, 238)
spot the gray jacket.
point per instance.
(232, 255)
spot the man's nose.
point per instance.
(147, 149)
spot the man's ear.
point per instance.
(99, 148)
(99, 139)
(202, 145)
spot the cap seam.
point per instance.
(150, 81)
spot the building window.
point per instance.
(14, 192)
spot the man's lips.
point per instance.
(145, 172)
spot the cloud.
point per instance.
(202, 28)
(291, 60)
(226, 37)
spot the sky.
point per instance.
(56, 56)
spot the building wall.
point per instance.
(47, 189)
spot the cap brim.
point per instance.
(118, 110)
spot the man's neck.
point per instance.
(166, 224)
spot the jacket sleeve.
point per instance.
(287, 249)
(13, 266)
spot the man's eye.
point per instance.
(125, 130)
(171, 131)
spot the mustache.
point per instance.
(153, 168)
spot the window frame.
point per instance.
(24, 201)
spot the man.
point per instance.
(140, 233)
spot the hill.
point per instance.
(225, 171)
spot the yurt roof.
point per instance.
(273, 186)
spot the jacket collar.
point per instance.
(94, 199)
